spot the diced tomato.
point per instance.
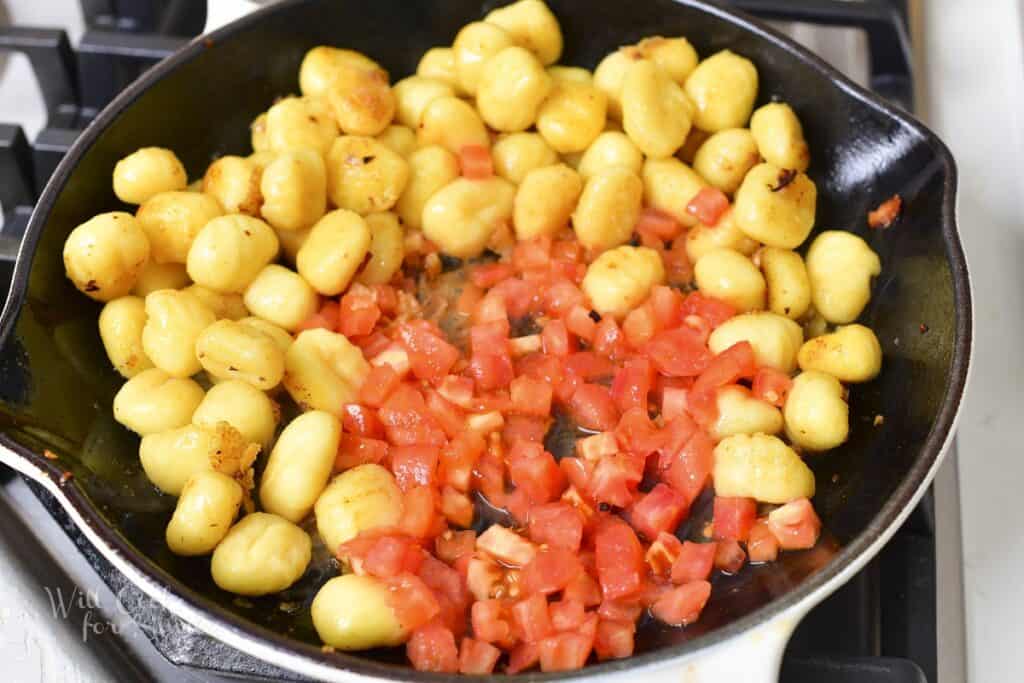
(386, 298)
(762, 546)
(592, 408)
(356, 450)
(588, 365)
(795, 525)
(631, 384)
(621, 610)
(708, 205)
(700, 326)
(522, 657)
(491, 621)
(520, 296)
(475, 162)
(729, 556)
(531, 396)
(414, 465)
(550, 570)
(392, 555)
(432, 648)
(668, 306)
(678, 269)
(609, 340)
(566, 615)
(457, 507)
(734, 363)
(703, 407)
(506, 545)
(678, 353)
(358, 312)
(487, 275)
(489, 337)
(412, 601)
(476, 657)
(565, 651)
(772, 386)
(469, 300)
(535, 472)
(491, 370)
(713, 310)
(407, 421)
(454, 545)
(579, 322)
(673, 402)
(640, 325)
(561, 296)
(326, 318)
(532, 254)
(449, 417)
(458, 458)
(637, 434)
(584, 590)
(532, 618)
(690, 467)
(430, 356)
(361, 421)
(733, 518)
(614, 480)
(663, 553)
(378, 385)
(660, 510)
(658, 223)
(419, 512)
(695, 562)
(490, 308)
(457, 390)
(620, 561)
(683, 604)
(555, 338)
(614, 639)
(446, 583)
(526, 428)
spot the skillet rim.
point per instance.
(195, 608)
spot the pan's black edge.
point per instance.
(886, 518)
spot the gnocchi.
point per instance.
(545, 201)
(171, 221)
(610, 148)
(572, 116)
(725, 158)
(462, 216)
(174, 321)
(775, 206)
(511, 88)
(153, 401)
(208, 504)
(655, 112)
(121, 323)
(620, 279)
(261, 554)
(294, 190)
(362, 498)
(387, 249)
(817, 418)
(789, 288)
(154, 276)
(722, 88)
(281, 296)
(334, 251)
(780, 137)
(517, 154)
(776, 339)
(104, 256)
(242, 406)
(231, 350)
(353, 612)
(235, 183)
(608, 208)
(430, 169)
(170, 458)
(741, 413)
(731, 277)
(762, 467)
(324, 370)
(840, 266)
(669, 185)
(364, 175)
(147, 172)
(531, 24)
(300, 464)
(230, 251)
(850, 354)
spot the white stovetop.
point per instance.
(971, 69)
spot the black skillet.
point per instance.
(57, 384)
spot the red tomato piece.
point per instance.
(631, 384)
(637, 434)
(490, 308)
(457, 507)
(449, 417)
(772, 386)
(615, 479)
(683, 604)
(415, 465)
(694, 563)
(703, 406)
(532, 618)
(621, 610)
(361, 421)
(678, 269)
(487, 275)
(491, 337)
(378, 385)
(432, 648)
(663, 553)
(412, 600)
(708, 205)
(762, 546)
(690, 468)
(583, 589)
(491, 621)
(796, 525)
(356, 450)
(326, 318)
(358, 312)
(535, 471)
(419, 512)
(733, 518)
(555, 339)
(446, 583)
(614, 639)
(525, 428)
(491, 370)
(729, 556)
(475, 162)
(531, 396)
(561, 296)
(673, 402)
(640, 325)
(588, 365)
(658, 223)
(659, 511)
(550, 570)
(565, 652)
(667, 304)
(469, 300)
(609, 340)
(522, 657)
(620, 561)
(678, 353)
(532, 254)
(713, 310)
(407, 421)
(476, 657)
(566, 615)
(430, 356)
(457, 390)
(520, 296)
(592, 408)
(458, 458)
(393, 555)
(735, 363)
(386, 297)
(454, 545)
(579, 322)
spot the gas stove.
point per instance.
(80, 617)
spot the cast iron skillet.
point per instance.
(58, 384)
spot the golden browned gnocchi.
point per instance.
(532, 25)
(121, 323)
(335, 249)
(154, 276)
(362, 498)
(722, 88)
(572, 116)
(414, 94)
(669, 185)
(461, 217)
(364, 175)
(387, 249)
(762, 467)
(817, 417)
(741, 413)
(170, 458)
(510, 89)
(361, 99)
(608, 208)
(174, 321)
(620, 279)
(231, 350)
(473, 46)
(324, 370)
(153, 401)
(294, 190)
(655, 112)
(545, 201)
(171, 221)
(731, 277)
(776, 339)
(780, 137)
(281, 296)
(675, 56)
(235, 183)
(300, 465)
(453, 124)
(208, 504)
(147, 172)
(850, 354)
(610, 148)
(242, 406)
(840, 266)
(430, 169)
(230, 251)
(399, 139)
(321, 66)
(517, 154)
(702, 239)
(439, 63)
(224, 305)
(776, 206)
(105, 255)
(261, 554)
(725, 157)
(300, 123)
(610, 75)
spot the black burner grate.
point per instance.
(878, 628)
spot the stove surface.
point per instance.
(71, 616)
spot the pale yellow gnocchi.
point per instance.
(817, 418)
(104, 256)
(207, 506)
(840, 266)
(261, 554)
(324, 370)
(620, 279)
(762, 467)
(147, 172)
(300, 465)
(362, 498)
(461, 217)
